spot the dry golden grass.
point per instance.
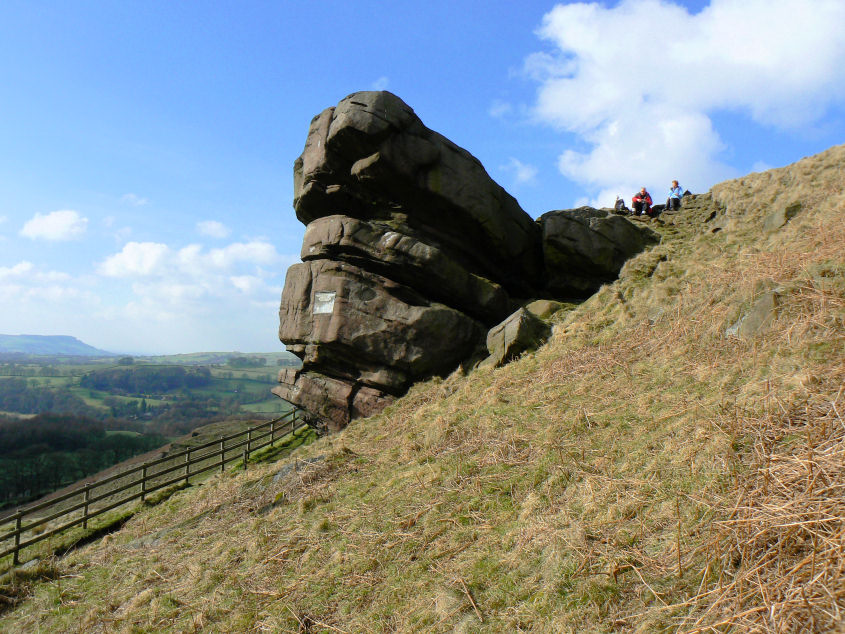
(643, 471)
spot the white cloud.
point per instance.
(246, 283)
(381, 83)
(3, 219)
(643, 104)
(25, 272)
(24, 284)
(187, 276)
(255, 252)
(170, 292)
(213, 229)
(137, 259)
(761, 166)
(133, 200)
(13, 271)
(523, 173)
(192, 260)
(60, 225)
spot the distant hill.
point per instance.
(48, 345)
(281, 357)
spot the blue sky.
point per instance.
(147, 147)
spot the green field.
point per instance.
(237, 383)
(272, 405)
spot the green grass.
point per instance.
(272, 405)
(91, 398)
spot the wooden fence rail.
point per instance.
(211, 455)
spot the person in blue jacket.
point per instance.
(673, 203)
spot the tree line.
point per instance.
(17, 395)
(146, 379)
(41, 454)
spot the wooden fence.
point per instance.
(142, 480)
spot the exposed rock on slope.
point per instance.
(584, 248)
(520, 332)
(411, 253)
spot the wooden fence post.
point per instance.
(86, 497)
(144, 482)
(222, 455)
(246, 457)
(187, 465)
(249, 440)
(272, 432)
(15, 558)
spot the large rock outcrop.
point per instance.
(411, 254)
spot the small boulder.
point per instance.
(781, 216)
(762, 314)
(544, 308)
(518, 333)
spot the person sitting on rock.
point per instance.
(673, 203)
(619, 206)
(641, 203)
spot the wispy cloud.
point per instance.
(133, 200)
(18, 269)
(523, 173)
(644, 111)
(120, 235)
(499, 109)
(24, 282)
(60, 225)
(213, 229)
(380, 84)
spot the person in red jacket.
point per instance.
(641, 203)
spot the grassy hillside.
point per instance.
(644, 471)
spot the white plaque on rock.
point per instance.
(323, 302)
